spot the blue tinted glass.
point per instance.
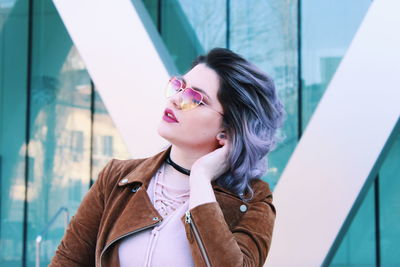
(325, 40)
(187, 34)
(60, 131)
(358, 245)
(13, 99)
(389, 185)
(265, 33)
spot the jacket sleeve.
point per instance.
(246, 245)
(77, 248)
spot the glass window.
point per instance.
(187, 34)
(265, 33)
(107, 140)
(389, 206)
(358, 245)
(77, 145)
(107, 145)
(13, 99)
(59, 130)
(324, 41)
(57, 100)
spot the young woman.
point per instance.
(201, 201)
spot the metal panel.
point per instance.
(128, 63)
(342, 146)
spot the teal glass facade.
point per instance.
(56, 134)
(48, 101)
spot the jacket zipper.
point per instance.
(125, 235)
(188, 219)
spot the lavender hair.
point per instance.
(252, 115)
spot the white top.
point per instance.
(166, 244)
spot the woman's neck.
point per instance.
(186, 157)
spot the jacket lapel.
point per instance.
(134, 209)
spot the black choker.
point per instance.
(176, 166)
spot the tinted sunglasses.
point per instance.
(189, 98)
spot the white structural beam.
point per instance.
(127, 62)
(342, 143)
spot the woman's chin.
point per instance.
(164, 133)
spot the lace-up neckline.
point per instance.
(168, 197)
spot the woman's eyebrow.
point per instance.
(197, 89)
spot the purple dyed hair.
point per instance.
(252, 115)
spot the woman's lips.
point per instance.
(168, 119)
(169, 116)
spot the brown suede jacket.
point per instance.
(229, 232)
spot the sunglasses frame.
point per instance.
(182, 89)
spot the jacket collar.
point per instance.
(148, 166)
(145, 169)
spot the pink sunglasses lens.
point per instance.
(173, 86)
(190, 99)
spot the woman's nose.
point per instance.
(176, 99)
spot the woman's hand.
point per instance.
(213, 164)
(206, 169)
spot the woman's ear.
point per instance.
(221, 135)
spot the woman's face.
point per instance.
(196, 128)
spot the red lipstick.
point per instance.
(169, 116)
